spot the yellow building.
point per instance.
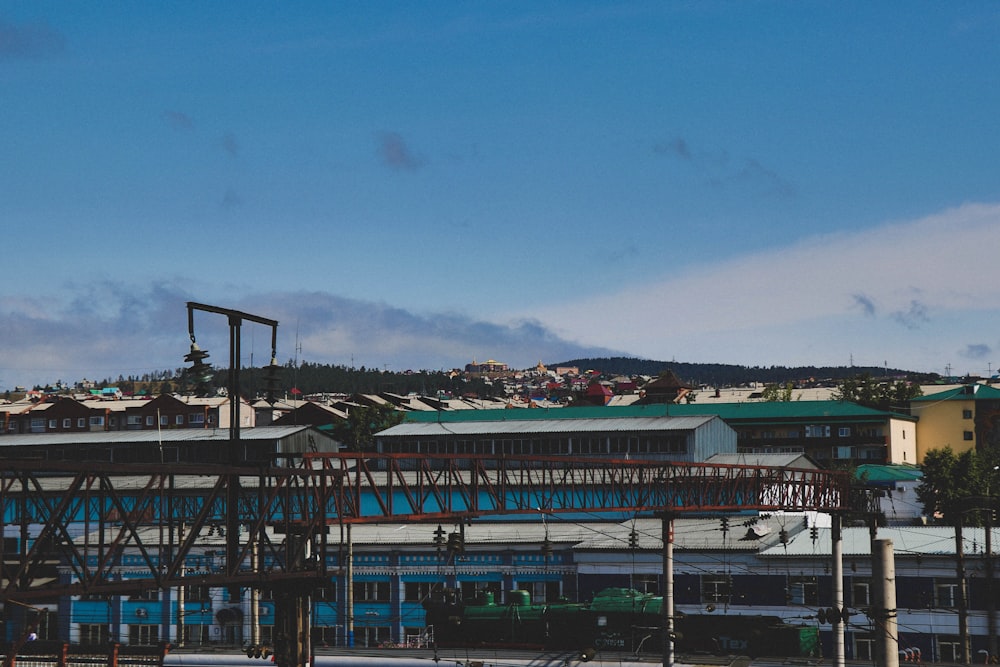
(963, 418)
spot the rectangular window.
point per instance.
(325, 635)
(966, 414)
(815, 431)
(198, 593)
(864, 647)
(473, 589)
(67, 422)
(861, 593)
(196, 418)
(803, 590)
(371, 591)
(946, 594)
(715, 588)
(196, 634)
(149, 420)
(417, 591)
(53, 423)
(179, 420)
(148, 595)
(94, 634)
(134, 420)
(164, 420)
(97, 420)
(949, 648)
(371, 636)
(81, 422)
(542, 591)
(844, 432)
(967, 435)
(143, 635)
(37, 425)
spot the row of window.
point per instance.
(44, 425)
(544, 446)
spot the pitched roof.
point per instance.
(966, 392)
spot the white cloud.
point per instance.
(913, 273)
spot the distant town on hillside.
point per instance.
(478, 378)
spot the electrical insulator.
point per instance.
(439, 540)
(633, 540)
(724, 522)
(200, 372)
(546, 547)
(272, 379)
(455, 543)
(783, 536)
(814, 533)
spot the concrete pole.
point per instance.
(991, 603)
(884, 579)
(667, 607)
(349, 576)
(837, 574)
(963, 592)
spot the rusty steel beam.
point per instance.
(412, 487)
(158, 512)
(85, 517)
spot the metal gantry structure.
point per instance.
(85, 516)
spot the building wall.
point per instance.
(948, 423)
(902, 442)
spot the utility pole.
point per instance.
(963, 591)
(837, 574)
(884, 579)
(667, 606)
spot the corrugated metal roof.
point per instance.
(770, 460)
(751, 411)
(152, 436)
(410, 429)
(969, 392)
(926, 540)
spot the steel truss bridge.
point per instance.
(86, 516)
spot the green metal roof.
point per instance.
(969, 392)
(773, 412)
(876, 473)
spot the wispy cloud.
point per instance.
(230, 144)
(866, 305)
(676, 147)
(395, 152)
(913, 316)
(29, 41)
(976, 351)
(811, 300)
(719, 171)
(179, 120)
(108, 329)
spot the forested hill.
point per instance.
(728, 374)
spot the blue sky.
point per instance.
(417, 185)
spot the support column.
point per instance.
(349, 576)
(963, 592)
(837, 574)
(667, 607)
(884, 580)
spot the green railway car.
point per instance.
(617, 619)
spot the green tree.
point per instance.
(777, 393)
(956, 483)
(892, 395)
(357, 432)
